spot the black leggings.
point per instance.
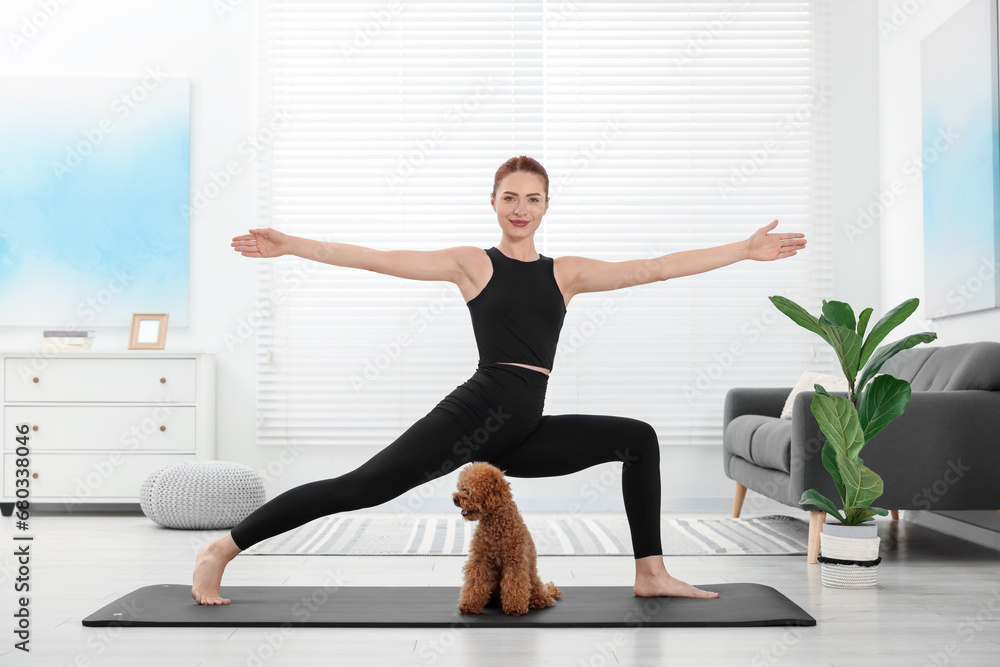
(494, 416)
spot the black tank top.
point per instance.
(517, 317)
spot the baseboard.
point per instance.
(85, 508)
(954, 527)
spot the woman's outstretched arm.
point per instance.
(592, 275)
(447, 264)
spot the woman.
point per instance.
(517, 299)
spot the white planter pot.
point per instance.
(854, 550)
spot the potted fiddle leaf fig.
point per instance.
(849, 546)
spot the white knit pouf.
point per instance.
(201, 494)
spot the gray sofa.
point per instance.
(943, 453)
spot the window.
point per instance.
(664, 126)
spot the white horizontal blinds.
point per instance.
(677, 126)
(400, 116)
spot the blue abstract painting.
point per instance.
(94, 199)
(961, 162)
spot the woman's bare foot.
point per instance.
(652, 580)
(668, 586)
(208, 569)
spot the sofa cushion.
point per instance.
(807, 382)
(965, 366)
(764, 441)
(904, 365)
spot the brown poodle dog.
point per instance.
(502, 565)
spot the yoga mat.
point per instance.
(424, 606)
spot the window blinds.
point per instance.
(664, 126)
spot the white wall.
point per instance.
(855, 129)
(902, 26)
(188, 38)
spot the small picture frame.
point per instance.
(149, 331)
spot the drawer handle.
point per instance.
(163, 380)
(35, 380)
(163, 428)
(35, 475)
(35, 427)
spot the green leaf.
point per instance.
(858, 515)
(863, 321)
(847, 344)
(798, 314)
(838, 419)
(885, 352)
(874, 510)
(882, 401)
(839, 314)
(814, 497)
(821, 390)
(889, 321)
(830, 463)
(861, 484)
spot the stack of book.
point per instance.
(68, 340)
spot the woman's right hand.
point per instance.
(262, 243)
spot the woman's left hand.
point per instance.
(766, 247)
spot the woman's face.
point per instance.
(520, 197)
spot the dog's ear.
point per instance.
(498, 495)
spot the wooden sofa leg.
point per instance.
(741, 493)
(894, 514)
(816, 519)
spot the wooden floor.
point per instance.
(937, 603)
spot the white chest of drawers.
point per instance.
(96, 423)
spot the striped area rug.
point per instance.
(554, 535)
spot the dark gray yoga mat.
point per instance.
(433, 607)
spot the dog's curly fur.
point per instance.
(502, 564)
